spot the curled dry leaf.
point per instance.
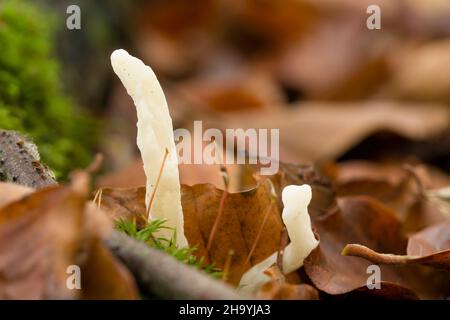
(39, 239)
(362, 218)
(279, 289)
(403, 188)
(47, 231)
(237, 229)
(392, 185)
(123, 203)
(274, 290)
(105, 277)
(251, 90)
(419, 72)
(430, 240)
(317, 131)
(339, 60)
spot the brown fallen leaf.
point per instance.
(10, 192)
(420, 72)
(403, 188)
(271, 25)
(123, 203)
(274, 290)
(362, 218)
(318, 132)
(279, 289)
(421, 214)
(241, 221)
(105, 277)
(46, 232)
(39, 239)
(250, 90)
(338, 60)
(354, 218)
(433, 239)
(430, 247)
(388, 291)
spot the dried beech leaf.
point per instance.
(237, 229)
(47, 231)
(354, 218)
(362, 218)
(316, 131)
(105, 277)
(123, 203)
(280, 289)
(39, 238)
(388, 291)
(400, 187)
(275, 290)
(10, 192)
(430, 240)
(419, 72)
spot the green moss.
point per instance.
(147, 235)
(32, 99)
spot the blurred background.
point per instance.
(336, 90)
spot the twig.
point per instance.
(20, 162)
(96, 164)
(255, 243)
(163, 276)
(224, 173)
(273, 199)
(152, 197)
(361, 251)
(284, 240)
(227, 267)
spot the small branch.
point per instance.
(224, 174)
(152, 197)
(284, 241)
(361, 251)
(227, 267)
(163, 276)
(20, 163)
(255, 243)
(96, 164)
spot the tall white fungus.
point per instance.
(154, 136)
